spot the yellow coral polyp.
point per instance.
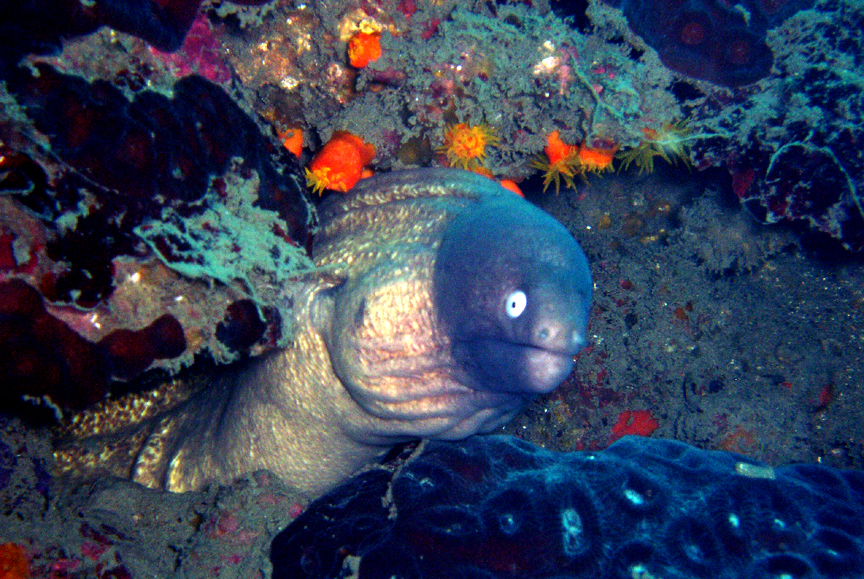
(325, 178)
(465, 146)
(566, 170)
(670, 143)
(561, 162)
(596, 159)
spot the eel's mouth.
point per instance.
(517, 368)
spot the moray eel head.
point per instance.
(513, 288)
(461, 302)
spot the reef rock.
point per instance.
(136, 200)
(709, 39)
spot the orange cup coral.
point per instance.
(340, 163)
(596, 160)
(465, 146)
(567, 161)
(508, 184)
(511, 185)
(562, 162)
(363, 48)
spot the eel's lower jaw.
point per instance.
(481, 387)
(547, 369)
(517, 368)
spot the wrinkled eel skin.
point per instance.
(440, 306)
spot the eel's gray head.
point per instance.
(460, 302)
(513, 288)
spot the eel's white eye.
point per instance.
(515, 304)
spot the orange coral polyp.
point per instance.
(465, 145)
(562, 162)
(557, 151)
(340, 163)
(511, 185)
(596, 160)
(292, 139)
(363, 48)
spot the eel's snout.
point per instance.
(546, 370)
(554, 318)
(550, 359)
(555, 336)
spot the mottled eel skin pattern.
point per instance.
(440, 306)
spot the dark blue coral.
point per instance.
(496, 507)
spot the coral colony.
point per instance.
(499, 507)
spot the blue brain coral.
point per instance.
(496, 507)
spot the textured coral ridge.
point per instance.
(43, 356)
(154, 150)
(497, 506)
(709, 39)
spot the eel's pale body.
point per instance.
(397, 337)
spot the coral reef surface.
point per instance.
(499, 507)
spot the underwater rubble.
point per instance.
(791, 141)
